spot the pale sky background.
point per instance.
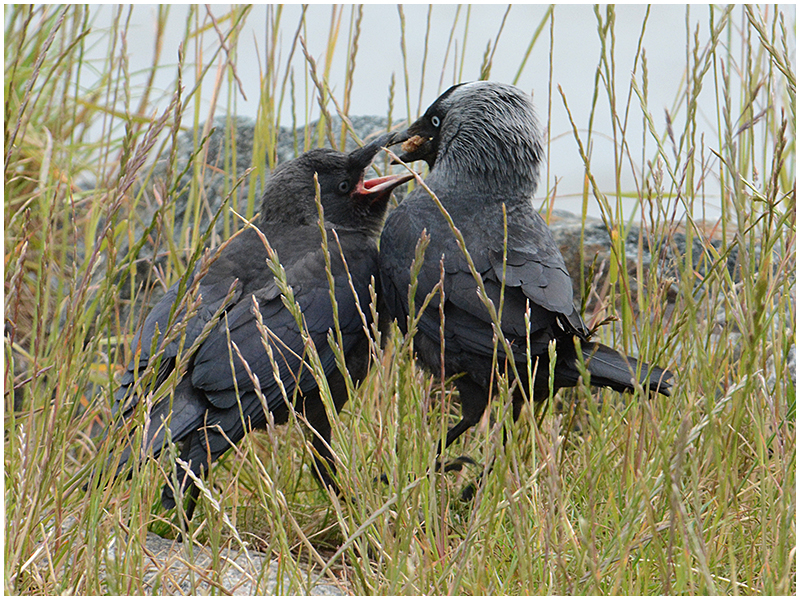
(576, 53)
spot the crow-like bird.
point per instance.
(213, 405)
(483, 145)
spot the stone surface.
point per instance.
(566, 228)
(172, 569)
(156, 199)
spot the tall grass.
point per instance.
(694, 494)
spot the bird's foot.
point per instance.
(455, 465)
(468, 493)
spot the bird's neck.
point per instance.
(493, 168)
(493, 184)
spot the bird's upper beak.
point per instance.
(420, 142)
(362, 157)
(375, 190)
(379, 189)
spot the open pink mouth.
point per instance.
(371, 184)
(379, 187)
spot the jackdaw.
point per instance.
(216, 403)
(483, 144)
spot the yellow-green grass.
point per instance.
(692, 494)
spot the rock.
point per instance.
(566, 228)
(236, 573)
(217, 184)
(156, 199)
(171, 568)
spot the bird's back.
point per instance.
(513, 251)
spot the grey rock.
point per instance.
(220, 183)
(566, 228)
(240, 572)
(220, 152)
(171, 568)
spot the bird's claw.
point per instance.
(468, 493)
(455, 465)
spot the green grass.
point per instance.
(694, 494)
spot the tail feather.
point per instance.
(180, 415)
(612, 369)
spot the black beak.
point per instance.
(420, 142)
(362, 157)
(374, 191)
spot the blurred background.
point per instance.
(128, 128)
(420, 50)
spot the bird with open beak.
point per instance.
(231, 382)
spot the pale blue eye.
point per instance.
(344, 187)
(435, 121)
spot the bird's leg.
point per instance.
(193, 492)
(324, 467)
(453, 433)
(456, 430)
(517, 402)
(474, 399)
(189, 489)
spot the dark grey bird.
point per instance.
(215, 405)
(483, 144)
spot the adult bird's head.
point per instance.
(347, 199)
(484, 131)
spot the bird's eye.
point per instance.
(344, 187)
(435, 121)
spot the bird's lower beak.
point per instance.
(374, 190)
